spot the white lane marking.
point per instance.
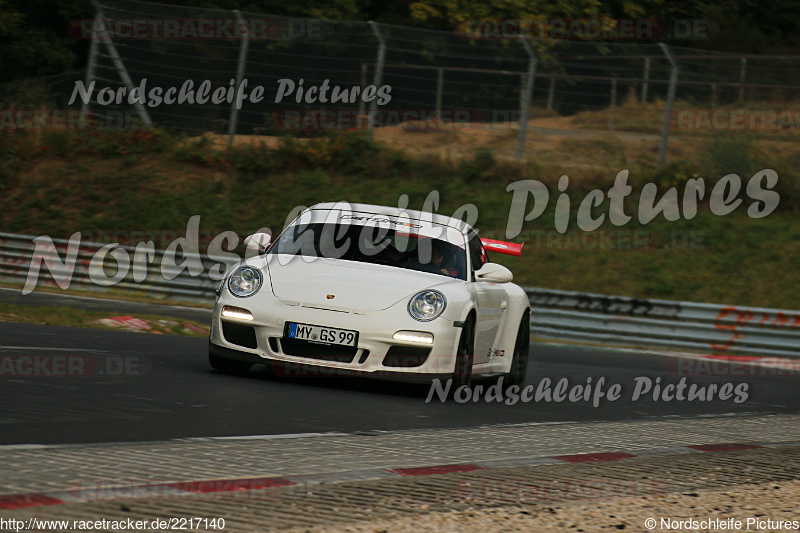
(275, 437)
(111, 300)
(50, 349)
(4, 447)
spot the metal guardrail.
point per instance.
(154, 277)
(601, 319)
(557, 315)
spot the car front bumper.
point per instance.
(378, 354)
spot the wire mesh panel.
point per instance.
(472, 89)
(172, 59)
(735, 94)
(454, 90)
(312, 75)
(584, 71)
(316, 75)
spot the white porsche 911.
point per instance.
(373, 291)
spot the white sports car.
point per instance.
(355, 289)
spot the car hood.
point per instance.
(354, 286)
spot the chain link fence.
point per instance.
(447, 88)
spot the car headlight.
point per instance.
(245, 281)
(427, 305)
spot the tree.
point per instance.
(33, 38)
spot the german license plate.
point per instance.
(321, 334)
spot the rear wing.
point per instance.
(502, 247)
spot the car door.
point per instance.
(491, 302)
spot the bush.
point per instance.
(252, 163)
(349, 153)
(314, 180)
(8, 173)
(479, 168)
(197, 150)
(106, 143)
(730, 154)
(675, 175)
(15, 148)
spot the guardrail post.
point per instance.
(645, 78)
(673, 82)
(439, 87)
(742, 77)
(373, 105)
(525, 99)
(91, 67)
(239, 74)
(551, 90)
(123, 72)
(613, 103)
(363, 85)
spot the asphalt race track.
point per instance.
(141, 387)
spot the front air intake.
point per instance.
(323, 352)
(239, 334)
(406, 356)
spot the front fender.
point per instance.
(518, 305)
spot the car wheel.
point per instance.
(226, 366)
(462, 373)
(519, 362)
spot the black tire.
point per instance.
(519, 362)
(465, 355)
(227, 366)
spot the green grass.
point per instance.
(733, 260)
(116, 294)
(73, 317)
(94, 187)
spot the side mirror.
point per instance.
(258, 241)
(494, 273)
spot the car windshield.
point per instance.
(376, 245)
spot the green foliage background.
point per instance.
(135, 180)
(34, 40)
